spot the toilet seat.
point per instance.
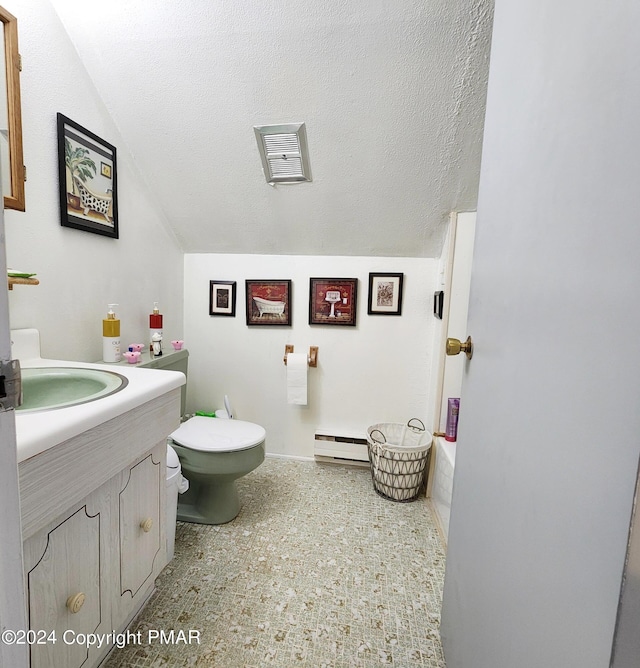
(217, 435)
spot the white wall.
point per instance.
(80, 272)
(378, 371)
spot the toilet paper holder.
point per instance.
(312, 357)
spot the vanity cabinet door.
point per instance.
(66, 588)
(142, 535)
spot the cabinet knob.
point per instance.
(75, 602)
(146, 525)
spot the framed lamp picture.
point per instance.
(385, 294)
(333, 301)
(268, 302)
(87, 179)
(222, 298)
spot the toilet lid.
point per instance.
(215, 434)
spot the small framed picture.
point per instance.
(268, 302)
(222, 298)
(385, 294)
(333, 301)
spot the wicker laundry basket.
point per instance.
(398, 455)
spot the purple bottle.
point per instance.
(453, 408)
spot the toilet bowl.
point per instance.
(213, 451)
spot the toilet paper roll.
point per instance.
(297, 378)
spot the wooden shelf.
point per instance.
(14, 280)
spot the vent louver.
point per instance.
(284, 152)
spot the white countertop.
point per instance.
(40, 430)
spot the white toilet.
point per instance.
(213, 452)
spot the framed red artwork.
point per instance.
(268, 302)
(333, 301)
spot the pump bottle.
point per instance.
(111, 337)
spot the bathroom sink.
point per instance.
(46, 388)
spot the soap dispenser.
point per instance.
(111, 337)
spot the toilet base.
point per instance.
(210, 504)
(212, 497)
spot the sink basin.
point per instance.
(46, 388)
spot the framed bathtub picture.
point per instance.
(268, 302)
(222, 298)
(385, 294)
(333, 301)
(87, 180)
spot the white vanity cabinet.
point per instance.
(67, 576)
(140, 520)
(93, 514)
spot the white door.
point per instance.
(12, 607)
(626, 646)
(549, 427)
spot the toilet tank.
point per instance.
(170, 360)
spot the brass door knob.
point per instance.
(75, 602)
(455, 347)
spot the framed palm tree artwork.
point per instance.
(87, 180)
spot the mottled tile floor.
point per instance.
(317, 571)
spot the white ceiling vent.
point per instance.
(284, 152)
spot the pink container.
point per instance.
(177, 345)
(133, 357)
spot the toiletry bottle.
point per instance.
(453, 408)
(155, 325)
(111, 337)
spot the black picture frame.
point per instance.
(222, 298)
(268, 302)
(87, 177)
(438, 304)
(385, 293)
(333, 301)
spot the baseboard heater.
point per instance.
(340, 446)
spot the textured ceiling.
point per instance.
(392, 94)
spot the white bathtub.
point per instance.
(442, 487)
(269, 306)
